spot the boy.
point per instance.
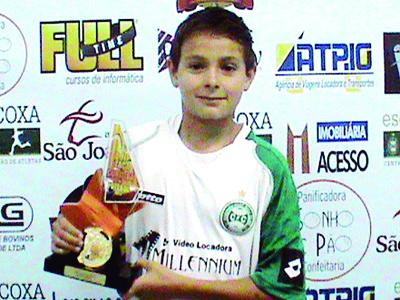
(229, 227)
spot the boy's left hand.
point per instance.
(158, 282)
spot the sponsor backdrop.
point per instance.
(326, 94)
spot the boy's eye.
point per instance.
(229, 67)
(196, 66)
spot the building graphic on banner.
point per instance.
(305, 153)
(308, 66)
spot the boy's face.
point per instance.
(211, 76)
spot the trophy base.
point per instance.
(115, 273)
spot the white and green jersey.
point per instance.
(222, 215)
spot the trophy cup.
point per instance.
(100, 214)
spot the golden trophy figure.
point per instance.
(100, 214)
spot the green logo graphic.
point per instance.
(237, 217)
(391, 144)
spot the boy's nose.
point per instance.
(212, 78)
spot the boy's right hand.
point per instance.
(65, 237)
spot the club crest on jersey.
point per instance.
(237, 217)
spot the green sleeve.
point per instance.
(280, 268)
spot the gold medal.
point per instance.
(97, 248)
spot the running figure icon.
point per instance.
(17, 141)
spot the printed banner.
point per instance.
(326, 94)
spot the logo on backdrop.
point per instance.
(23, 291)
(391, 43)
(259, 122)
(145, 245)
(20, 141)
(79, 115)
(397, 290)
(333, 161)
(343, 161)
(19, 135)
(13, 54)
(349, 293)
(16, 216)
(391, 144)
(164, 49)
(83, 142)
(307, 66)
(346, 131)
(189, 5)
(256, 120)
(88, 46)
(391, 139)
(336, 228)
(389, 243)
(292, 267)
(340, 161)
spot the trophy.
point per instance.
(189, 5)
(100, 213)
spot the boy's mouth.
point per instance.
(208, 98)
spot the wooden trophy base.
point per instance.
(116, 273)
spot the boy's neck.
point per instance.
(206, 136)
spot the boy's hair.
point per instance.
(217, 21)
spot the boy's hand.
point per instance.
(161, 283)
(158, 282)
(65, 237)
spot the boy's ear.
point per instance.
(250, 76)
(172, 73)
